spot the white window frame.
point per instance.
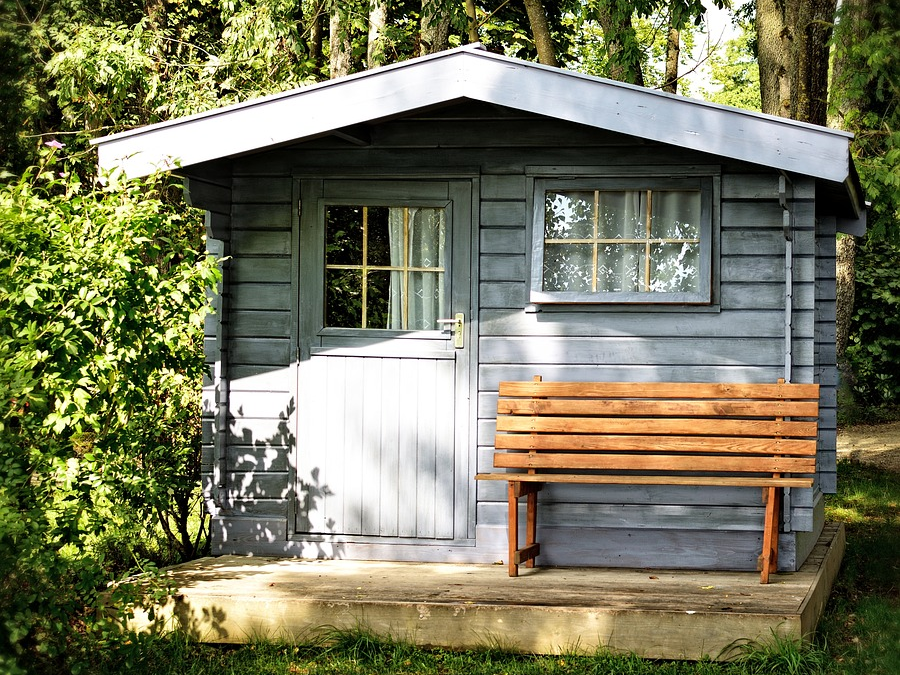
(705, 185)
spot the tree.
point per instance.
(864, 99)
(378, 16)
(340, 44)
(434, 30)
(734, 72)
(540, 29)
(793, 43)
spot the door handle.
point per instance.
(456, 325)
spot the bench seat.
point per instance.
(613, 433)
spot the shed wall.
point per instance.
(740, 338)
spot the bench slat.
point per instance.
(627, 462)
(598, 479)
(706, 444)
(663, 433)
(660, 390)
(667, 408)
(672, 426)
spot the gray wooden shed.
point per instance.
(562, 225)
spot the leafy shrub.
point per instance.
(874, 349)
(102, 302)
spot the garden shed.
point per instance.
(396, 243)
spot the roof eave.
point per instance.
(470, 73)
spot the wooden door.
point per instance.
(383, 375)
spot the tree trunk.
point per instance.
(857, 17)
(378, 12)
(340, 45)
(624, 56)
(846, 293)
(540, 30)
(793, 57)
(316, 27)
(434, 29)
(673, 51)
(472, 20)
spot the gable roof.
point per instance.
(471, 73)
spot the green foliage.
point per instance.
(734, 73)
(864, 98)
(865, 95)
(874, 349)
(102, 301)
(641, 49)
(862, 622)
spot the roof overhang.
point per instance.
(474, 74)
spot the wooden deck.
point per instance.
(652, 613)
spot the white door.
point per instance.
(383, 379)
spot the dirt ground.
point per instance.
(877, 444)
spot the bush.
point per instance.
(874, 349)
(102, 302)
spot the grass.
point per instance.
(862, 622)
(859, 634)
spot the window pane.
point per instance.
(676, 215)
(568, 267)
(623, 215)
(378, 248)
(371, 260)
(343, 235)
(378, 292)
(675, 268)
(343, 298)
(426, 297)
(426, 237)
(569, 215)
(620, 268)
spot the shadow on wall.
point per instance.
(251, 492)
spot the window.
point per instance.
(384, 267)
(622, 241)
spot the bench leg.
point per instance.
(531, 525)
(768, 560)
(526, 555)
(513, 525)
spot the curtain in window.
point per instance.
(621, 215)
(675, 264)
(417, 261)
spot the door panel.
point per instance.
(383, 414)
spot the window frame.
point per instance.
(443, 269)
(704, 183)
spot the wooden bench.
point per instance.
(748, 435)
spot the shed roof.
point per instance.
(471, 73)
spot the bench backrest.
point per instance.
(666, 427)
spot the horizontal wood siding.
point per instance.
(261, 416)
(826, 352)
(740, 337)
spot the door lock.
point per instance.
(456, 326)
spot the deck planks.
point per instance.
(655, 614)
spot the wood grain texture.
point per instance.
(616, 433)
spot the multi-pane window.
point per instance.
(609, 244)
(384, 267)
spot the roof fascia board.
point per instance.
(278, 120)
(478, 75)
(636, 111)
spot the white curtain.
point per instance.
(675, 266)
(417, 240)
(621, 215)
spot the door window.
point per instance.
(384, 266)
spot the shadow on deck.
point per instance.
(652, 613)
